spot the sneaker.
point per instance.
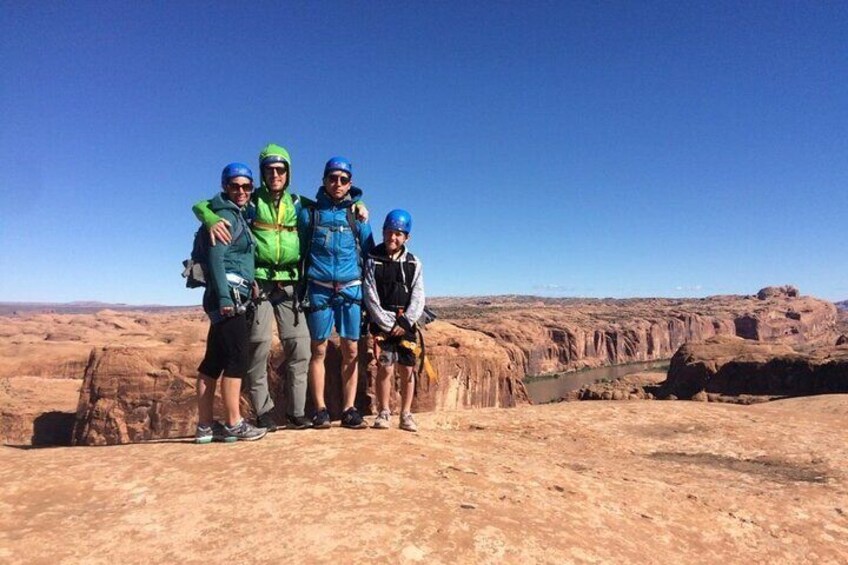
(244, 431)
(219, 433)
(383, 421)
(321, 419)
(407, 422)
(203, 434)
(266, 421)
(298, 422)
(352, 419)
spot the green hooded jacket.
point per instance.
(274, 225)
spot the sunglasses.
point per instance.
(278, 170)
(246, 187)
(341, 179)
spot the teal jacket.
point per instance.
(233, 259)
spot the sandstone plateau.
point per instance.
(579, 482)
(575, 482)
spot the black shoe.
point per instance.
(266, 421)
(321, 419)
(298, 422)
(352, 419)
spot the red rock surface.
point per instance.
(579, 482)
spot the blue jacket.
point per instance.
(331, 243)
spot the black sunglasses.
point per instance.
(276, 170)
(341, 179)
(246, 187)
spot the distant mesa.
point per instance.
(79, 307)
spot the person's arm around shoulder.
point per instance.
(218, 227)
(304, 223)
(366, 238)
(360, 211)
(384, 320)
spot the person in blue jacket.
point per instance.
(335, 244)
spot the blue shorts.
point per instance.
(328, 308)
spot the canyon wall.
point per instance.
(550, 337)
(132, 394)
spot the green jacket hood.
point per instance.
(272, 149)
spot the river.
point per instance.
(546, 388)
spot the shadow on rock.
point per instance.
(53, 428)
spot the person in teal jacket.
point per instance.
(274, 225)
(337, 243)
(230, 274)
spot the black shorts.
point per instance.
(391, 351)
(227, 348)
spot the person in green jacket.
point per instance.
(274, 225)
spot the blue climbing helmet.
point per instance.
(338, 164)
(398, 220)
(235, 170)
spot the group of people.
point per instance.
(274, 255)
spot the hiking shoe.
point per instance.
(321, 419)
(244, 432)
(383, 421)
(203, 434)
(352, 419)
(407, 422)
(298, 422)
(219, 433)
(266, 421)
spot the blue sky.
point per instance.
(598, 149)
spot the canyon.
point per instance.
(123, 376)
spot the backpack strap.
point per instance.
(354, 228)
(238, 229)
(273, 227)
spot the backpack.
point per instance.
(195, 271)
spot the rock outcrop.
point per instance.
(785, 291)
(132, 394)
(733, 366)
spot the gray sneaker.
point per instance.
(243, 431)
(407, 422)
(203, 434)
(383, 421)
(219, 433)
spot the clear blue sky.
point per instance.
(558, 148)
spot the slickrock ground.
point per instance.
(590, 482)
